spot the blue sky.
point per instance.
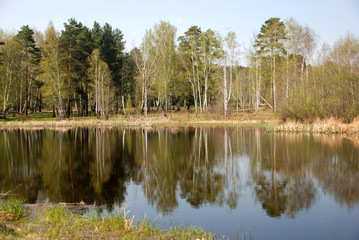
(330, 19)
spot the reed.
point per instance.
(327, 126)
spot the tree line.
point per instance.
(87, 71)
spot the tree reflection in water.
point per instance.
(204, 166)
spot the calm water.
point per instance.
(281, 186)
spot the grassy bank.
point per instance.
(271, 121)
(59, 222)
(154, 119)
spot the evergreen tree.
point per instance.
(96, 35)
(270, 40)
(190, 51)
(85, 49)
(31, 56)
(111, 50)
(75, 48)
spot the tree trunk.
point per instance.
(287, 78)
(40, 101)
(273, 79)
(81, 99)
(195, 98)
(145, 99)
(86, 99)
(21, 88)
(225, 97)
(258, 89)
(123, 104)
(69, 87)
(274, 87)
(199, 92)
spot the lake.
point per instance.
(226, 180)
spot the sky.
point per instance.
(330, 19)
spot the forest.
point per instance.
(84, 71)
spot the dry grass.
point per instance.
(331, 126)
(264, 118)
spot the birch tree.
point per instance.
(54, 74)
(9, 72)
(146, 59)
(164, 34)
(308, 46)
(100, 76)
(190, 48)
(229, 61)
(211, 53)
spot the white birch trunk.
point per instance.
(225, 93)
(145, 99)
(274, 88)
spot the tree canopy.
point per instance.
(83, 71)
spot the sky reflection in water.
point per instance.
(279, 185)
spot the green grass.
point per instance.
(12, 209)
(58, 222)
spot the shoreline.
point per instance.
(266, 120)
(325, 126)
(69, 221)
(139, 121)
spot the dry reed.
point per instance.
(330, 126)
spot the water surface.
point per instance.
(281, 186)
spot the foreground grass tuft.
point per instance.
(58, 222)
(12, 210)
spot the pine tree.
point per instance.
(75, 48)
(31, 56)
(190, 51)
(111, 50)
(270, 40)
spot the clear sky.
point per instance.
(330, 19)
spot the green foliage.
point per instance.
(10, 69)
(282, 73)
(53, 72)
(333, 89)
(271, 36)
(100, 77)
(75, 47)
